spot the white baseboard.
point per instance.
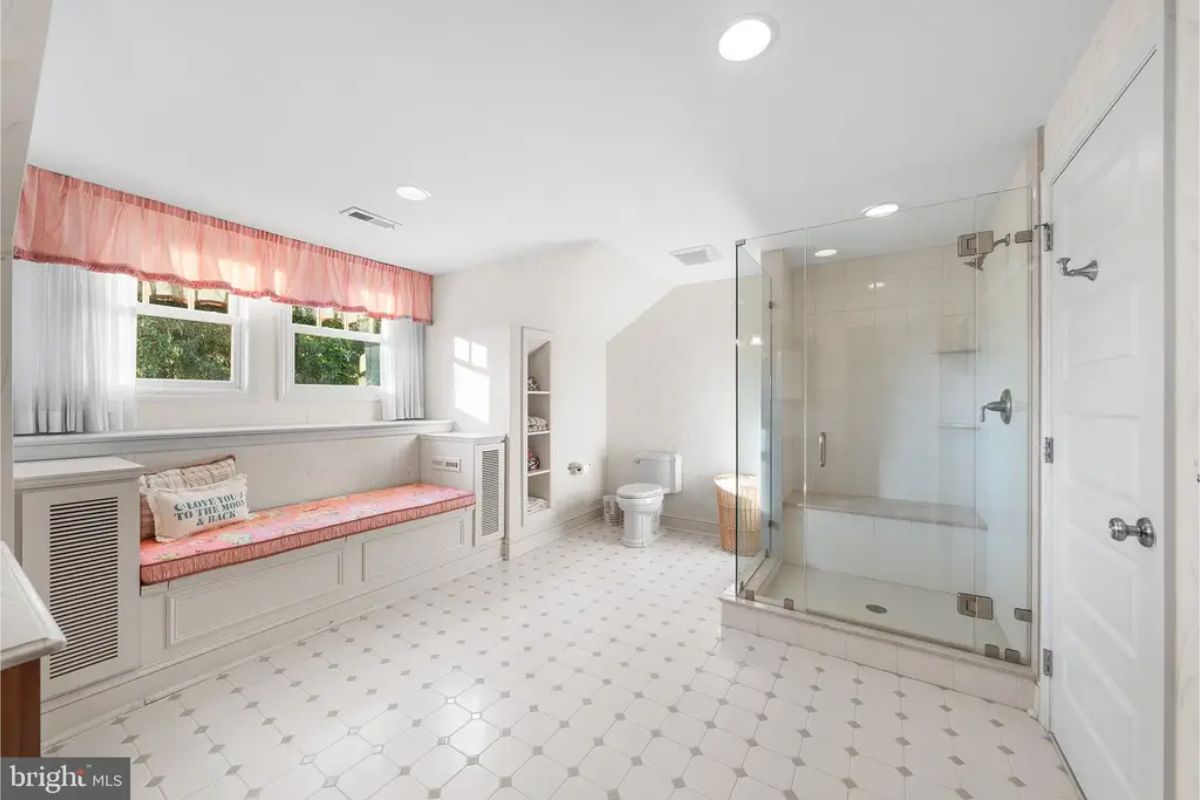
(690, 525)
(548, 534)
(68, 714)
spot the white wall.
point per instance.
(583, 294)
(878, 383)
(671, 387)
(260, 403)
(1184, 279)
(24, 28)
(1126, 22)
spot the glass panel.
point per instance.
(329, 361)
(889, 511)
(161, 293)
(1004, 450)
(177, 349)
(895, 505)
(337, 320)
(749, 485)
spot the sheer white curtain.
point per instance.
(74, 349)
(402, 369)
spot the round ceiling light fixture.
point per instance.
(826, 253)
(747, 37)
(880, 210)
(413, 193)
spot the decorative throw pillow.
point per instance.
(182, 512)
(189, 477)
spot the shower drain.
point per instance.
(875, 608)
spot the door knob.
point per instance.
(1144, 530)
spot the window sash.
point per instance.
(234, 318)
(287, 361)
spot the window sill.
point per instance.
(40, 447)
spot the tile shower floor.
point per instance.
(911, 610)
(580, 670)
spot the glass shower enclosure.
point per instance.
(883, 434)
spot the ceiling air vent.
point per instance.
(370, 217)
(695, 256)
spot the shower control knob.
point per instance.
(1144, 530)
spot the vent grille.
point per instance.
(695, 256)
(489, 502)
(84, 573)
(370, 217)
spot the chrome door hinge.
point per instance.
(1048, 663)
(1048, 449)
(1047, 235)
(979, 606)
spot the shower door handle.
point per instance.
(821, 449)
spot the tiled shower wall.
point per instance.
(890, 376)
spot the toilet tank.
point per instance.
(660, 467)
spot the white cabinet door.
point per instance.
(1106, 398)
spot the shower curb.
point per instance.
(988, 679)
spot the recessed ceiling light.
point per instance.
(746, 38)
(413, 193)
(880, 210)
(826, 253)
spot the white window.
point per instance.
(331, 352)
(189, 340)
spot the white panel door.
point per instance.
(1106, 395)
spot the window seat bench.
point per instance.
(278, 530)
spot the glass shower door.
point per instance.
(750, 483)
(1003, 379)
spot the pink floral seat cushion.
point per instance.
(278, 530)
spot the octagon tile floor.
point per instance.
(581, 670)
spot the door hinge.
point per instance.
(1048, 662)
(1047, 235)
(770, 304)
(975, 605)
(1048, 449)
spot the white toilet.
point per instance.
(657, 472)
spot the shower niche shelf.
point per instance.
(536, 348)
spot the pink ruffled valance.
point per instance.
(64, 220)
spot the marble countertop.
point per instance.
(27, 631)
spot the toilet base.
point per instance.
(641, 529)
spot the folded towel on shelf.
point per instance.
(535, 504)
(537, 424)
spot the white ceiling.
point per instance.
(540, 122)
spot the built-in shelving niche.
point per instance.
(537, 402)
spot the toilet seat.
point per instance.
(639, 491)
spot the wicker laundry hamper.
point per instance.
(738, 512)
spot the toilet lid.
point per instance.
(639, 491)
